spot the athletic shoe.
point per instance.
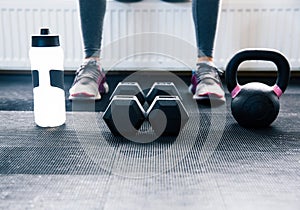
(89, 83)
(206, 84)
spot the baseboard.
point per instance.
(244, 73)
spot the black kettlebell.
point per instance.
(256, 104)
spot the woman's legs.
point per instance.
(91, 18)
(90, 80)
(206, 84)
(205, 15)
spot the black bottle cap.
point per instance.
(45, 39)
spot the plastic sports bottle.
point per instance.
(47, 68)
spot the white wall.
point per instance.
(243, 24)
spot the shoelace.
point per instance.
(208, 72)
(80, 73)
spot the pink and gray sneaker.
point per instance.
(206, 84)
(89, 83)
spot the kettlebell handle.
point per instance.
(276, 57)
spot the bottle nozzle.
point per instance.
(45, 31)
(45, 39)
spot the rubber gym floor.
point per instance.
(213, 164)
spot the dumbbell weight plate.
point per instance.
(167, 115)
(162, 89)
(124, 115)
(129, 88)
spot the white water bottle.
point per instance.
(47, 68)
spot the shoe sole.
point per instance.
(82, 96)
(207, 96)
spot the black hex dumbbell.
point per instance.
(125, 114)
(125, 101)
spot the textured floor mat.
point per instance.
(213, 164)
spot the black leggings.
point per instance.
(205, 16)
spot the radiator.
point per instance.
(152, 34)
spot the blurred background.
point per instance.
(243, 24)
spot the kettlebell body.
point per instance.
(256, 104)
